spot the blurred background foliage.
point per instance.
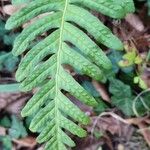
(126, 94)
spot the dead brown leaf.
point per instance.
(102, 90)
(10, 9)
(114, 126)
(13, 102)
(143, 124)
(29, 142)
(146, 76)
(135, 22)
(145, 131)
(2, 131)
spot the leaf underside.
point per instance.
(68, 21)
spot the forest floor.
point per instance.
(115, 124)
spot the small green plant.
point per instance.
(132, 58)
(67, 21)
(8, 62)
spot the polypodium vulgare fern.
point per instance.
(67, 21)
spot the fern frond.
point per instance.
(68, 20)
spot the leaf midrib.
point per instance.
(58, 66)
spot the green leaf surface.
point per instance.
(125, 104)
(115, 57)
(3, 31)
(8, 61)
(5, 122)
(6, 142)
(17, 129)
(20, 1)
(90, 88)
(142, 104)
(101, 107)
(121, 96)
(9, 88)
